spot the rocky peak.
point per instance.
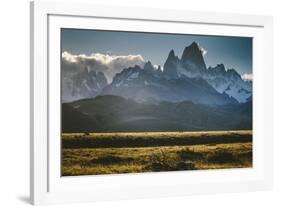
(218, 71)
(192, 56)
(148, 66)
(125, 73)
(171, 64)
(220, 68)
(233, 74)
(171, 54)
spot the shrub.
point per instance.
(222, 157)
(106, 160)
(162, 161)
(246, 155)
(188, 154)
(185, 165)
(110, 159)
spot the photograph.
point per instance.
(137, 102)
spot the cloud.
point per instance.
(157, 67)
(247, 77)
(106, 63)
(203, 51)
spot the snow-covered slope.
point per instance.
(182, 79)
(151, 85)
(229, 82)
(84, 84)
(192, 65)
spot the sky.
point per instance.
(233, 52)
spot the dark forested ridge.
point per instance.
(117, 114)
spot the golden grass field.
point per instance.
(112, 153)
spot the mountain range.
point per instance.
(84, 84)
(182, 79)
(184, 95)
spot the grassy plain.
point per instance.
(112, 153)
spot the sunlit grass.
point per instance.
(113, 160)
(147, 139)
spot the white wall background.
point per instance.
(14, 100)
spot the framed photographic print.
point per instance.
(126, 105)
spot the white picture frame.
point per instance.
(47, 186)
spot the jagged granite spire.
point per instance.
(171, 54)
(192, 58)
(171, 64)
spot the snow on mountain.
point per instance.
(84, 84)
(152, 86)
(181, 79)
(192, 65)
(229, 82)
